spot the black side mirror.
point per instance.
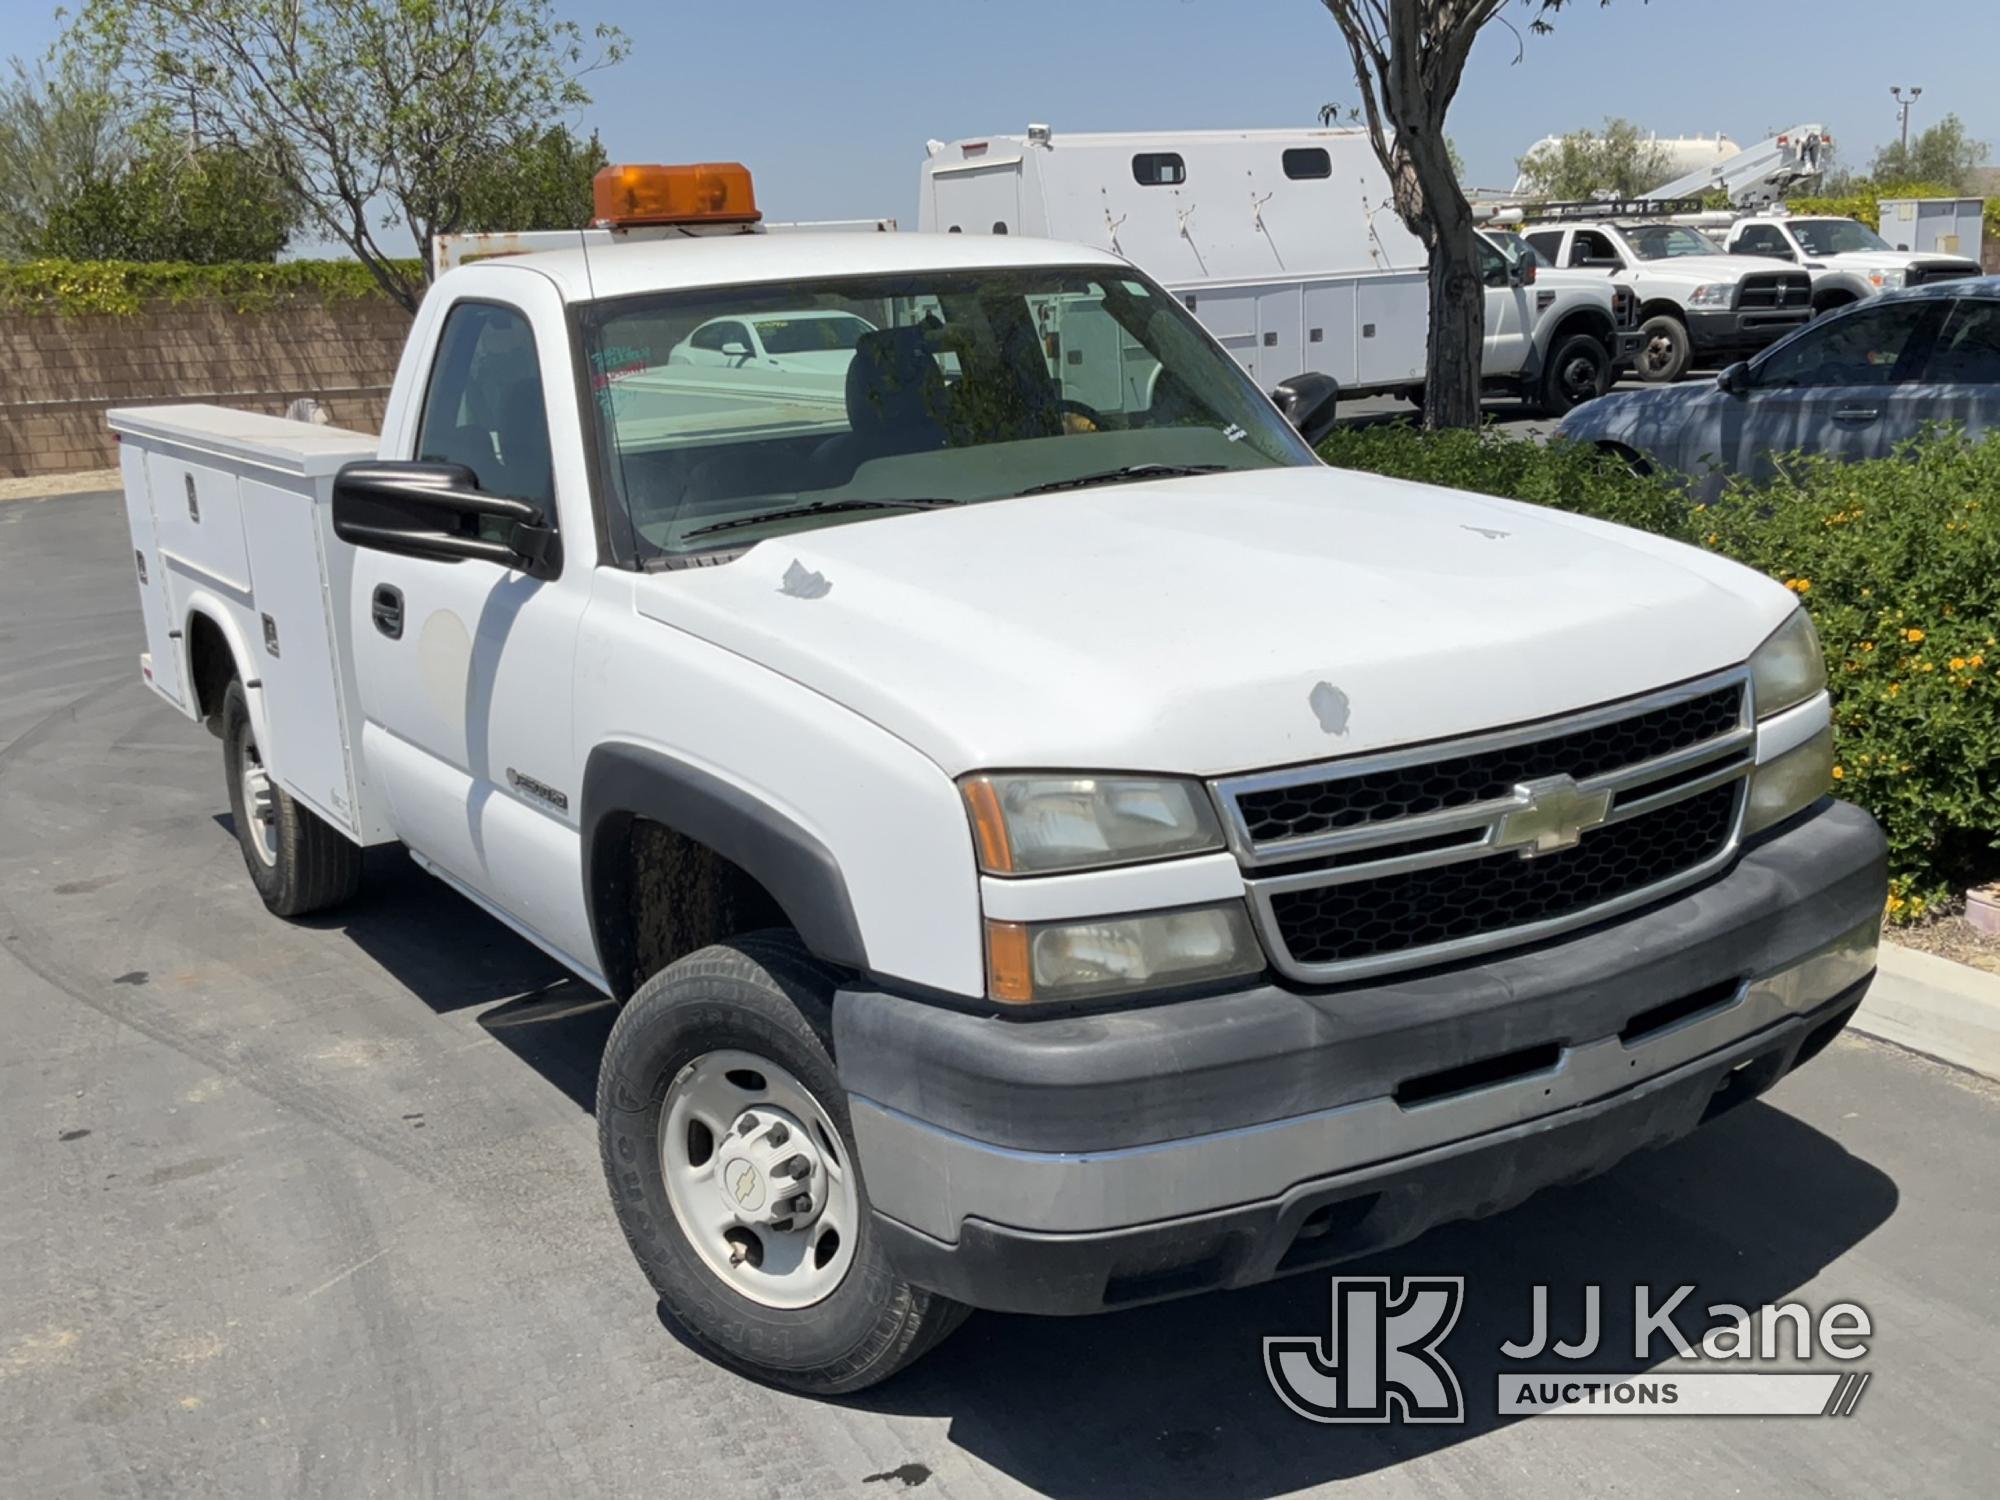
(1308, 402)
(433, 510)
(1734, 379)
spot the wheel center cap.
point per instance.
(768, 1170)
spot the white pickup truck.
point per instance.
(1845, 258)
(1051, 856)
(1695, 302)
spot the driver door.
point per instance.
(1845, 387)
(462, 668)
(1510, 314)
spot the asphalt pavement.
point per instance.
(315, 1209)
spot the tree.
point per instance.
(55, 132)
(373, 113)
(1943, 153)
(1623, 162)
(539, 180)
(1409, 56)
(174, 201)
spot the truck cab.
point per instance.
(1845, 258)
(1055, 844)
(1695, 302)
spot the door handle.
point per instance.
(1857, 413)
(387, 609)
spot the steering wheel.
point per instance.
(1077, 417)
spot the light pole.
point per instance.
(1903, 106)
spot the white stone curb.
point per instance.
(1931, 1005)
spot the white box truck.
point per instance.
(1287, 247)
(1054, 850)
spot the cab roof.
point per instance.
(678, 263)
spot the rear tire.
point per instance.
(1578, 370)
(1665, 351)
(298, 862)
(756, 1009)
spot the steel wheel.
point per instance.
(259, 805)
(757, 1180)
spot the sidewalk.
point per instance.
(37, 486)
(1945, 1010)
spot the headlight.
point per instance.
(1718, 294)
(1103, 957)
(1787, 669)
(1033, 823)
(1783, 785)
(1888, 281)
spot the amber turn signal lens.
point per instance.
(1008, 976)
(996, 856)
(703, 193)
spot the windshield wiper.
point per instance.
(1119, 476)
(822, 508)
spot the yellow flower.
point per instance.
(1913, 635)
(1958, 664)
(1838, 774)
(1975, 661)
(1799, 585)
(1867, 645)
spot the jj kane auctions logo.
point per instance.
(1381, 1359)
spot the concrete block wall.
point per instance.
(59, 374)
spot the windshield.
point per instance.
(1667, 241)
(1836, 236)
(962, 387)
(811, 335)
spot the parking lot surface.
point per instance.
(316, 1209)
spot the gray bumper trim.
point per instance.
(931, 1179)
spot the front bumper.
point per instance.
(1733, 332)
(1077, 1163)
(1626, 345)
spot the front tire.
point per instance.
(712, 1059)
(1578, 370)
(298, 862)
(1666, 350)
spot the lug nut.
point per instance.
(802, 1204)
(747, 1124)
(796, 1166)
(779, 1134)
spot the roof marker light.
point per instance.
(625, 197)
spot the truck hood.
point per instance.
(1889, 260)
(1696, 269)
(1219, 623)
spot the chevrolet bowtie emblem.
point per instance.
(1554, 814)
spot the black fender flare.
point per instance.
(624, 783)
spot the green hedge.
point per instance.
(1899, 562)
(73, 287)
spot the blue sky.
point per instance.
(829, 104)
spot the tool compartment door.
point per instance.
(151, 575)
(292, 645)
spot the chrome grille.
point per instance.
(1396, 860)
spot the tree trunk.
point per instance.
(1457, 332)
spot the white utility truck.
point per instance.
(1695, 301)
(1845, 258)
(1286, 246)
(1052, 855)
